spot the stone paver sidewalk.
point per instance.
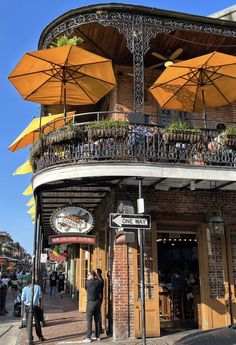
(65, 325)
(9, 324)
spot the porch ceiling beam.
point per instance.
(74, 196)
(75, 200)
(152, 185)
(223, 185)
(189, 184)
(80, 189)
(71, 182)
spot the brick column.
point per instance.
(120, 287)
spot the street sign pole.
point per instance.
(142, 277)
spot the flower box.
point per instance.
(186, 136)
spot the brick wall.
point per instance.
(120, 287)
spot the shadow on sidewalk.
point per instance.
(63, 321)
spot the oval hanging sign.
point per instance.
(72, 219)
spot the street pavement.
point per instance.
(9, 324)
(65, 325)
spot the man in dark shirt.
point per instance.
(93, 288)
(101, 280)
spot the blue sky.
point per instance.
(21, 23)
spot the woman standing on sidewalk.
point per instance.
(61, 283)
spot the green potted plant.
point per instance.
(228, 136)
(180, 131)
(107, 129)
(64, 40)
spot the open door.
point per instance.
(214, 278)
(85, 267)
(151, 287)
(230, 233)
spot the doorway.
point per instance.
(179, 287)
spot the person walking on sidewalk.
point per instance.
(92, 285)
(61, 283)
(101, 280)
(53, 283)
(37, 300)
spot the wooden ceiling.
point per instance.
(108, 42)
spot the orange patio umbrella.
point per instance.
(194, 85)
(63, 75)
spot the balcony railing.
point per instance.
(135, 143)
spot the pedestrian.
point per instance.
(101, 280)
(53, 283)
(92, 286)
(45, 277)
(37, 301)
(61, 283)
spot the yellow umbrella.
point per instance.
(31, 133)
(193, 85)
(25, 168)
(31, 210)
(63, 75)
(31, 202)
(28, 190)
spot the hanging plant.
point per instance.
(228, 137)
(181, 132)
(107, 129)
(66, 41)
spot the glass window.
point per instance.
(165, 117)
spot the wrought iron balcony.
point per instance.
(85, 143)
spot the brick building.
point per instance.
(189, 189)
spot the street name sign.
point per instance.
(130, 221)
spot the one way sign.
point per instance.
(130, 221)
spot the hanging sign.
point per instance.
(43, 258)
(82, 239)
(72, 219)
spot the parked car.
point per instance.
(219, 336)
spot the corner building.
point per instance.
(189, 189)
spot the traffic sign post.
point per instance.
(130, 221)
(142, 276)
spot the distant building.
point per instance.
(228, 13)
(10, 251)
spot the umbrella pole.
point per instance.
(204, 108)
(64, 84)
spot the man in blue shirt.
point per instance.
(37, 299)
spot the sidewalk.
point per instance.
(9, 324)
(65, 325)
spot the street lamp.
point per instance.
(216, 223)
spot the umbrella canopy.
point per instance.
(44, 124)
(194, 85)
(31, 202)
(63, 75)
(28, 190)
(25, 168)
